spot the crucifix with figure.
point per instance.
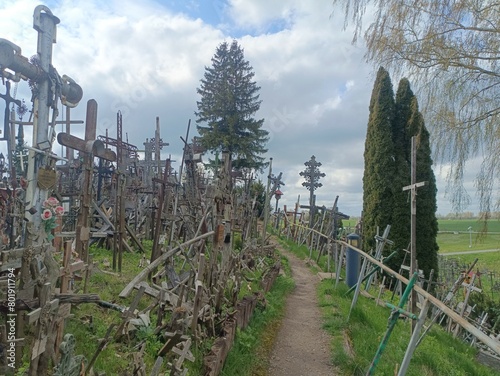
(49, 89)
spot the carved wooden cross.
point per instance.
(67, 274)
(43, 316)
(90, 147)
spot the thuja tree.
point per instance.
(401, 215)
(226, 110)
(379, 160)
(409, 122)
(427, 225)
(392, 124)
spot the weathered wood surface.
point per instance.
(214, 361)
(126, 291)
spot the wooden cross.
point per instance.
(183, 353)
(32, 271)
(413, 243)
(161, 199)
(67, 274)
(335, 216)
(129, 313)
(90, 147)
(158, 144)
(469, 287)
(277, 182)
(381, 242)
(42, 316)
(295, 213)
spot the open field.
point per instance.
(454, 234)
(457, 242)
(463, 225)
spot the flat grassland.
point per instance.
(456, 235)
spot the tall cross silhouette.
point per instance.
(8, 100)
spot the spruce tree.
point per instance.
(379, 160)
(229, 100)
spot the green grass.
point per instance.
(451, 242)
(463, 225)
(250, 352)
(454, 235)
(355, 342)
(90, 322)
(488, 266)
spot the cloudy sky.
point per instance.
(146, 59)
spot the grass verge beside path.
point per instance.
(250, 352)
(355, 342)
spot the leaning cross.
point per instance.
(413, 243)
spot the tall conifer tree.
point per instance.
(229, 100)
(401, 215)
(379, 160)
(427, 225)
(387, 156)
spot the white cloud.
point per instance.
(259, 13)
(146, 60)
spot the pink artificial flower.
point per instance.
(46, 215)
(59, 210)
(52, 201)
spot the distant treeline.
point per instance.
(468, 215)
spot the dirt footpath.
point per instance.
(302, 347)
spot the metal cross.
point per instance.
(50, 87)
(8, 100)
(312, 174)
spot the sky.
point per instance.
(146, 59)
